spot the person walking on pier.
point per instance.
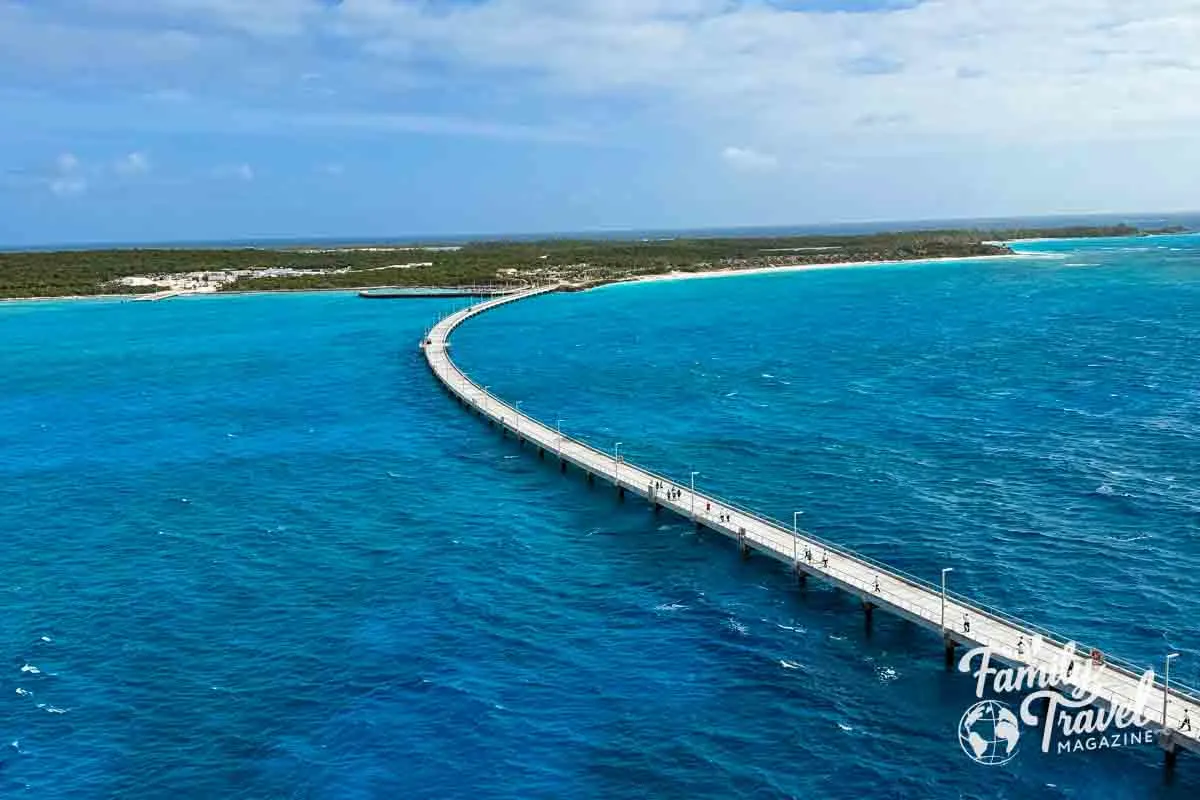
(824, 559)
(1021, 645)
(808, 554)
(876, 584)
(966, 624)
(1186, 725)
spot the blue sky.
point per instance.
(130, 120)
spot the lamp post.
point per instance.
(694, 474)
(944, 571)
(519, 421)
(617, 464)
(558, 427)
(796, 537)
(1167, 686)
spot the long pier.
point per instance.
(959, 621)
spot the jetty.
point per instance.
(1173, 710)
(435, 293)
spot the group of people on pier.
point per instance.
(656, 487)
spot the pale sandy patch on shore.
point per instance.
(678, 275)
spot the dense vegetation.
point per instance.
(33, 274)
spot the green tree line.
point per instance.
(90, 272)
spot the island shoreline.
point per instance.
(583, 283)
(734, 272)
(657, 277)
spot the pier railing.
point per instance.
(981, 610)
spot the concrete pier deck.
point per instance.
(878, 586)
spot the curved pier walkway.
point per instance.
(876, 585)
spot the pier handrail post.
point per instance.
(944, 571)
(1167, 686)
(694, 474)
(617, 464)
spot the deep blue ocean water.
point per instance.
(253, 551)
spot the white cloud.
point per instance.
(239, 172)
(68, 179)
(745, 158)
(959, 80)
(133, 164)
(68, 186)
(1054, 70)
(268, 18)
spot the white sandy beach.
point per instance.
(732, 272)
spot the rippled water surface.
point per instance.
(253, 551)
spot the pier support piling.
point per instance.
(591, 479)
(950, 645)
(620, 492)
(562, 465)
(542, 453)
(868, 614)
(743, 546)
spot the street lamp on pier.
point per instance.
(558, 427)
(796, 538)
(519, 420)
(1167, 686)
(694, 474)
(945, 570)
(617, 464)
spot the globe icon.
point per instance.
(988, 732)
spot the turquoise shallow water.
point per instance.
(253, 551)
